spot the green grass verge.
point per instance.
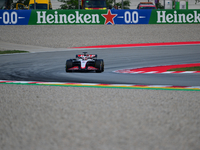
(85, 86)
(197, 68)
(12, 51)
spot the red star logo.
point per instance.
(109, 17)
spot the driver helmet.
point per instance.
(85, 58)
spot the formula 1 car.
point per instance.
(85, 62)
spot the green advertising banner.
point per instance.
(99, 17)
(175, 17)
(60, 17)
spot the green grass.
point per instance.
(197, 68)
(12, 51)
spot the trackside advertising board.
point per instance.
(11, 17)
(175, 17)
(98, 17)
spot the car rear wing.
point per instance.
(88, 55)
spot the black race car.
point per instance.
(85, 62)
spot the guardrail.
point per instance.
(98, 17)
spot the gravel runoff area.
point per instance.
(65, 36)
(73, 118)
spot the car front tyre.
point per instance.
(100, 65)
(69, 64)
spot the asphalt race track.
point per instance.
(50, 66)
